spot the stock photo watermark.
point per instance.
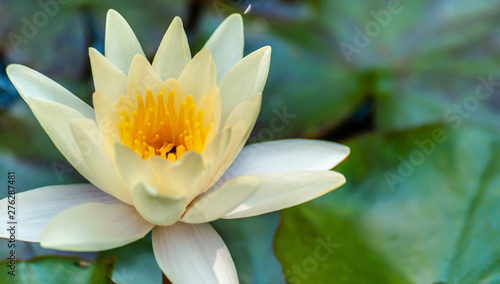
(425, 148)
(302, 271)
(11, 222)
(364, 35)
(277, 123)
(32, 25)
(454, 116)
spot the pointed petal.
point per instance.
(32, 84)
(189, 253)
(244, 80)
(199, 76)
(218, 151)
(132, 168)
(222, 199)
(106, 115)
(173, 54)
(142, 77)
(185, 177)
(99, 163)
(244, 115)
(120, 43)
(94, 227)
(35, 208)
(108, 78)
(55, 119)
(282, 190)
(287, 155)
(227, 144)
(226, 44)
(158, 209)
(241, 122)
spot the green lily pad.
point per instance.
(425, 57)
(56, 270)
(419, 206)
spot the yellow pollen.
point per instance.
(157, 128)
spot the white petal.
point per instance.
(219, 151)
(108, 78)
(55, 119)
(35, 208)
(287, 155)
(244, 80)
(173, 54)
(222, 199)
(199, 76)
(226, 44)
(188, 253)
(142, 77)
(99, 163)
(132, 168)
(244, 115)
(226, 145)
(241, 122)
(106, 115)
(185, 177)
(282, 190)
(211, 105)
(158, 209)
(120, 43)
(32, 84)
(94, 227)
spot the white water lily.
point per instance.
(163, 151)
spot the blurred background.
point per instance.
(411, 86)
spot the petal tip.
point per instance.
(113, 13)
(14, 69)
(235, 17)
(177, 20)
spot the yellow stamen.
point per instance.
(154, 128)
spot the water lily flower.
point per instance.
(163, 151)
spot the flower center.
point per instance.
(154, 128)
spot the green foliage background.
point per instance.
(403, 83)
